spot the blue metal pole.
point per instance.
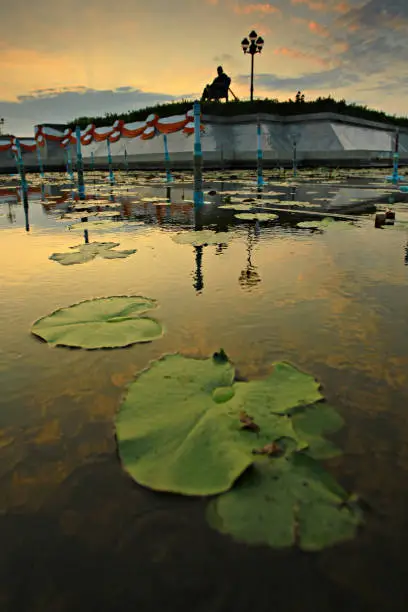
(40, 163)
(169, 178)
(395, 177)
(69, 162)
(260, 181)
(396, 157)
(198, 158)
(126, 159)
(92, 161)
(80, 164)
(111, 177)
(20, 166)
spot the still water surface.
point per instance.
(76, 533)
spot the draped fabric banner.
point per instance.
(9, 142)
(151, 127)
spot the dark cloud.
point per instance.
(124, 89)
(378, 14)
(224, 57)
(309, 81)
(59, 106)
(376, 33)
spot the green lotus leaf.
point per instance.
(88, 252)
(179, 428)
(236, 206)
(298, 203)
(201, 237)
(95, 225)
(283, 392)
(256, 216)
(310, 224)
(325, 223)
(152, 199)
(286, 501)
(312, 424)
(110, 322)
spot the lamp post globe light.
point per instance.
(253, 45)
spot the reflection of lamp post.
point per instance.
(249, 277)
(198, 276)
(255, 46)
(25, 204)
(11, 214)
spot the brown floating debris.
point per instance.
(247, 422)
(271, 450)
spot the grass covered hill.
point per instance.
(233, 108)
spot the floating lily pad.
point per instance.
(312, 424)
(88, 252)
(299, 203)
(95, 225)
(187, 427)
(325, 223)
(201, 237)
(237, 206)
(179, 427)
(100, 323)
(256, 216)
(285, 501)
(92, 201)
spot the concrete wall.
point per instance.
(231, 142)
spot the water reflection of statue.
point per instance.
(249, 277)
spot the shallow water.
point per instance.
(76, 532)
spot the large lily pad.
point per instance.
(95, 225)
(100, 323)
(256, 216)
(88, 252)
(325, 223)
(242, 207)
(187, 427)
(285, 501)
(201, 237)
(179, 427)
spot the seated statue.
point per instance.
(218, 88)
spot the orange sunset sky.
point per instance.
(60, 60)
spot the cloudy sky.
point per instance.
(60, 60)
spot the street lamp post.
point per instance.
(253, 45)
(1, 125)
